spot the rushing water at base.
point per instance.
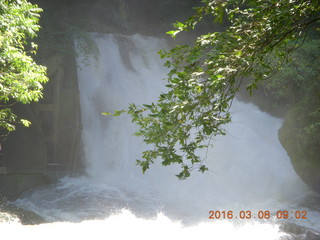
(249, 170)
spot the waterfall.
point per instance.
(248, 164)
(248, 168)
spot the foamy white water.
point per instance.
(249, 170)
(128, 226)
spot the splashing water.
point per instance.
(249, 170)
(128, 226)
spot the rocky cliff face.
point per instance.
(51, 145)
(305, 158)
(303, 149)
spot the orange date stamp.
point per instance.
(283, 214)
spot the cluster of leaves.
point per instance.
(21, 78)
(205, 77)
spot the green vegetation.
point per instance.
(293, 93)
(21, 78)
(205, 77)
(297, 90)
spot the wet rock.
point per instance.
(296, 232)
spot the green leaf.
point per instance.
(173, 33)
(106, 113)
(25, 122)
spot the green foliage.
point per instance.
(297, 88)
(205, 77)
(20, 77)
(298, 79)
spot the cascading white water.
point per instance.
(248, 165)
(249, 170)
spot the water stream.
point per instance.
(249, 170)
